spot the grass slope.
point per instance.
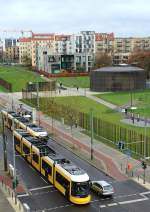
(81, 82)
(18, 76)
(140, 99)
(84, 104)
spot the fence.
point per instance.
(6, 84)
(63, 74)
(115, 133)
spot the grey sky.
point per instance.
(123, 17)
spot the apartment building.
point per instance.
(63, 44)
(41, 40)
(25, 50)
(10, 42)
(47, 60)
(1, 50)
(12, 54)
(77, 51)
(104, 43)
(123, 47)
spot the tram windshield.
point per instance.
(80, 189)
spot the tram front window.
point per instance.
(80, 189)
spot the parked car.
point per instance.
(102, 188)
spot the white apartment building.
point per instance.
(41, 40)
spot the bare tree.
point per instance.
(142, 59)
(102, 59)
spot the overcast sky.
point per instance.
(123, 17)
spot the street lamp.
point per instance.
(38, 100)
(91, 125)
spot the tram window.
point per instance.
(26, 149)
(10, 122)
(35, 157)
(47, 167)
(17, 142)
(62, 180)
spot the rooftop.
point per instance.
(124, 68)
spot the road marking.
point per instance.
(23, 195)
(133, 201)
(129, 195)
(44, 180)
(112, 204)
(39, 188)
(55, 208)
(102, 206)
(144, 193)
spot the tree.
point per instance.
(102, 59)
(141, 59)
(71, 116)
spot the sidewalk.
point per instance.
(7, 199)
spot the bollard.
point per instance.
(12, 195)
(19, 206)
(132, 174)
(121, 166)
(9, 191)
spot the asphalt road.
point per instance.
(42, 196)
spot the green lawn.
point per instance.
(2, 89)
(81, 82)
(18, 76)
(140, 99)
(84, 104)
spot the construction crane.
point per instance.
(22, 31)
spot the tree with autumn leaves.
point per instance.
(141, 59)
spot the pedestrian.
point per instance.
(59, 91)
(126, 111)
(132, 118)
(77, 88)
(138, 117)
(76, 124)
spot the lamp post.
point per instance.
(145, 132)
(131, 98)
(91, 125)
(38, 99)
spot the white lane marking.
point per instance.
(39, 188)
(129, 195)
(44, 180)
(102, 206)
(112, 204)
(144, 193)
(23, 195)
(133, 201)
(55, 208)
